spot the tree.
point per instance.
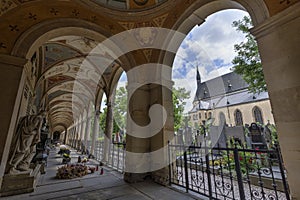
(179, 96)
(247, 62)
(102, 121)
(120, 107)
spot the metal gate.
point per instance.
(229, 173)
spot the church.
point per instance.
(227, 100)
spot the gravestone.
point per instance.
(257, 139)
(237, 133)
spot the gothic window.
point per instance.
(195, 117)
(258, 115)
(209, 115)
(238, 117)
(222, 118)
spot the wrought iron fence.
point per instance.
(229, 173)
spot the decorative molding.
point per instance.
(127, 25)
(156, 22)
(148, 54)
(159, 21)
(75, 13)
(14, 28)
(12, 60)
(276, 21)
(54, 11)
(32, 16)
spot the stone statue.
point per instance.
(23, 146)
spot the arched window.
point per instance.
(257, 115)
(222, 118)
(199, 115)
(209, 115)
(238, 117)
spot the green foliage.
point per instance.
(249, 161)
(247, 62)
(179, 96)
(120, 107)
(102, 121)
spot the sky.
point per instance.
(209, 46)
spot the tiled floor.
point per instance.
(110, 185)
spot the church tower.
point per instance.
(198, 79)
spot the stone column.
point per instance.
(108, 132)
(278, 41)
(149, 124)
(66, 136)
(79, 134)
(95, 131)
(11, 75)
(74, 136)
(87, 130)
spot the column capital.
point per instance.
(276, 21)
(12, 60)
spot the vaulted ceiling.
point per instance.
(69, 75)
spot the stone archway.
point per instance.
(279, 64)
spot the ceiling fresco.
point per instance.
(58, 52)
(72, 75)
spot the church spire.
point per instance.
(198, 77)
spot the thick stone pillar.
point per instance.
(149, 124)
(95, 131)
(11, 75)
(159, 141)
(108, 132)
(278, 40)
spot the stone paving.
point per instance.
(94, 186)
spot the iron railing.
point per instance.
(115, 154)
(229, 173)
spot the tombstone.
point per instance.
(198, 138)
(257, 139)
(268, 136)
(237, 133)
(188, 136)
(217, 136)
(180, 136)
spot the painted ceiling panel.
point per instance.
(55, 52)
(71, 97)
(85, 45)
